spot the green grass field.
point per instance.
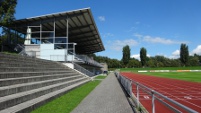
(187, 76)
(161, 68)
(67, 102)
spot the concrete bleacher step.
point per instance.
(20, 80)
(27, 83)
(8, 90)
(11, 100)
(34, 61)
(27, 74)
(24, 58)
(30, 105)
(28, 69)
(16, 64)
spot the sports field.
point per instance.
(184, 92)
(187, 76)
(183, 87)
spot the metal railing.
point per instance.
(88, 60)
(83, 70)
(128, 84)
(21, 49)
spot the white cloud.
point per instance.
(160, 40)
(107, 35)
(197, 50)
(175, 54)
(101, 18)
(137, 56)
(138, 35)
(119, 44)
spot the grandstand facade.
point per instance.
(67, 37)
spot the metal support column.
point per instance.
(40, 32)
(66, 39)
(54, 32)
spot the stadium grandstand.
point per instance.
(66, 37)
(52, 58)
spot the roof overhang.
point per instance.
(82, 28)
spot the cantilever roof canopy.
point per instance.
(81, 28)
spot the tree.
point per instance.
(143, 56)
(133, 63)
(126, 54)
(193, 61)
(112, 63)
(7, 11)
(184, 54)
(151, 63)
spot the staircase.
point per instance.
(27, 83)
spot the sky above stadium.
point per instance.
(158, 25)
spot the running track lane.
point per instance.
(186, 93)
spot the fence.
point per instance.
(128, 84)
(83, 70)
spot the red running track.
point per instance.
(186, 93)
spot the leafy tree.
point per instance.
(7, 11)
(193, 61)
(151, 63)
(112, 63)
(199, 58)
(133, 63)
(143, 56)
(126, 54)
(184, 54)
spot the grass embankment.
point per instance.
(67, 102)
(100, 77)
(187, 76)
(10, 53)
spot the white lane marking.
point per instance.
(187, 97)
(146, 97)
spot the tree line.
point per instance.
(155, 61)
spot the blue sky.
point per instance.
(158, 25)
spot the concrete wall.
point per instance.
(47, 51)
(33, 50)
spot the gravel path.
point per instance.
(107, 97)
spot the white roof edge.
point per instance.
(88, 8)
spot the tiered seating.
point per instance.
(27, 83)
